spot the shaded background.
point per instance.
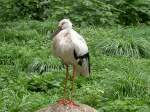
(94, 12)
(117, 33)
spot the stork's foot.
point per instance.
(69, 103)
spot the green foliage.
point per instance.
(97, 12)
(118, 83)
(86, 12)
(132, 11)
(124, 43)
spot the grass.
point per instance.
(31, 77)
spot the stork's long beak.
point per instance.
(56, 32)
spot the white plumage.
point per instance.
(67, 43)
(72, 49)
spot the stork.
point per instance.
(71, 47)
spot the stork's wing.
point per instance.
(80, 45)
(80, 37)
(81, 53)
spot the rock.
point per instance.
(65, 108)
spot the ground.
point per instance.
(31, 77)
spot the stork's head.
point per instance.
(65, 24)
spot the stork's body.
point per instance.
(72, 49)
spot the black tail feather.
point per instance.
(86, 56)
(75, 54)
(89, 63)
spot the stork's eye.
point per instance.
(63, 23)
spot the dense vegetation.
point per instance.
(30, 77)
(97, 12)
(118, 37)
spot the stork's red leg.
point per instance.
(64, 101)
(73, 78)
(69, 103)
(65, 83)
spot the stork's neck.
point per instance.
(68, 29)
(66, 26)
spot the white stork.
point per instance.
(72, 49)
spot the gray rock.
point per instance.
(65, 108)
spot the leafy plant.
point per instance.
(125, 45)
(132, 11)
(117, 83)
